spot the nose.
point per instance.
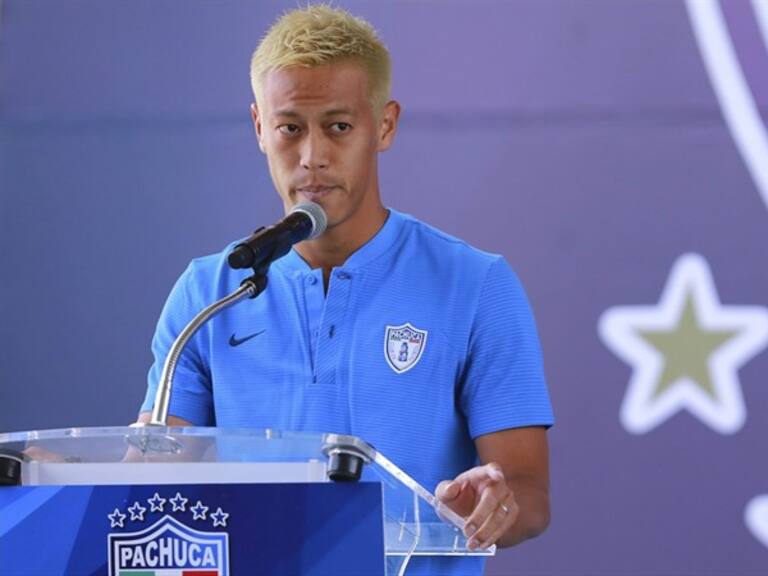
(315, 152)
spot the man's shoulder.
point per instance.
(210, 262)
(424, 236)
(209, 277)
(438, 257)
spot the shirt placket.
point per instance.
(332, 327)
(314, 299)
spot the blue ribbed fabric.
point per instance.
(321, 361)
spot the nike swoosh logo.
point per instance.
(237, 341)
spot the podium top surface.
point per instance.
(177, 444)
(106, 432)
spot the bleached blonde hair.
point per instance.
(321, 34)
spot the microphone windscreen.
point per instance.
(316, 214)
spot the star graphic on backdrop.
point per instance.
(179, 503)
(686, 351)
(137, 512)
(220, 518)
(156, 503)
(756, 518)
(116, 519)
(199, 511)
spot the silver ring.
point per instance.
(504, 508)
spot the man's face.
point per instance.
(321, 137)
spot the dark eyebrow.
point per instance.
(286, 113)
(338, 112)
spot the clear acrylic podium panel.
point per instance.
(158, 455)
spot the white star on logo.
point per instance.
(137, 512)
(219, 518)
(726, 336)
(116, 519)
(156, 503)
(179, 503)
(199, 511)
(756, 517)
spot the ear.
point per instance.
(256, 116)
(388, 125)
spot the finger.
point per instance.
(488, 503)
(448, 490)
(42, 455)
(462, 502)
(500, 521)
(495, 472)
(489, 540)
(489, 472)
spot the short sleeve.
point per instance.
(191, 396)
(503, 384)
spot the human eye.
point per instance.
(341, 127)
(288, 129)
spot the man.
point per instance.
(458, 393)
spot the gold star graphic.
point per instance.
(686, 350)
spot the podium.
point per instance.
(164, 501)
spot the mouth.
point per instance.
(315, 192)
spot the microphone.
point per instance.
(305, 221)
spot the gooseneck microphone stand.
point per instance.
(249, 288)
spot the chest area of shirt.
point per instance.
(300, 332)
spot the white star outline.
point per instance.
(220, 518)
(156, 503)
(618, 327)
(198, 511)
(137, 512)
(116, 519)
(179, 503)
(756, 518)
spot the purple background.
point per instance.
(582, 140)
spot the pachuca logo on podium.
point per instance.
(170, 546)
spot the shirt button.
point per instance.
(312, 280)
(341, 275)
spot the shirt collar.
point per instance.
(375, 247)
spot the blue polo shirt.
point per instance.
(421, 344)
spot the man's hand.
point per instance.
(484, 498)
(505, 501)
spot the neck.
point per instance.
(339, 242)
